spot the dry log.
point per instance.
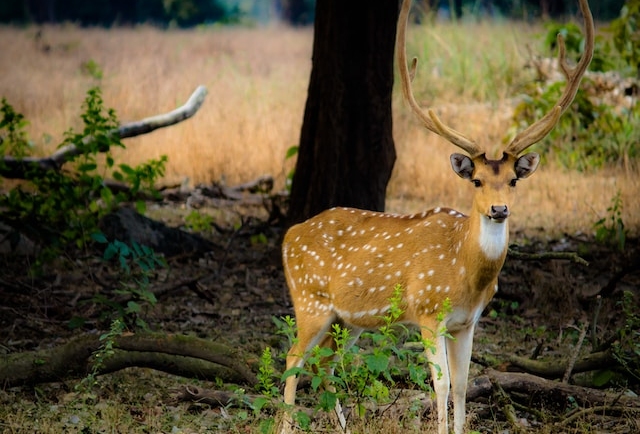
(17, 168)
(569, 256)
(547, 393)
(180, 355)
(556, 368)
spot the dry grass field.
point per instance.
(257, 82)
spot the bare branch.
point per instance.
(16, 168)
(569, 256)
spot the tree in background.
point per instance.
(346, 150)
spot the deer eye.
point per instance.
(513, 182)
(476, 183)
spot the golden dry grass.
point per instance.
(257, 81)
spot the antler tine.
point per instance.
(538, 130)
(429, 119)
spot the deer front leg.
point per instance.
(459, 355)
(439, 375)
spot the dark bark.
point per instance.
(346, 149)
(179, 355)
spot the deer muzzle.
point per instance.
(499, 212)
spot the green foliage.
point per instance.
(291, 152)
(626, 34)
(610, 229)
(626, 349)
(587, 136)
(137, 264)
(360, 376)
(198, 222)
(93, 69)
(266, 375)
(15, 140)
(574, 42)
(60, 209)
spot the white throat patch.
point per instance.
(494, 237)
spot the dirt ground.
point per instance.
(233, 292)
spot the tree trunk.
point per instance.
(346, 149)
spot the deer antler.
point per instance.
(429, 119)
(536, 131)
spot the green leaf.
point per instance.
(316, 381)
(602, 377)
(325, 352)
(377, 363)
(106, 195)
(128, 170)
(259, 403)
(303, 420)
(141, 206)
(99, 237)
(133, 307)
(110, 252)
(292, 371)
(87, 167)
(327, 400)
(291, 152)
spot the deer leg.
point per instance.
(310, 333)
(459, 354)
(439, 375)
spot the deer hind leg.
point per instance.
(459, 354)
(439, 375)
(311, 331)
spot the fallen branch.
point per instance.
(547, 392)
(600, 410)
(16, 168)
(557, 368)
(175, 354)
(569, 256)
(506, 405)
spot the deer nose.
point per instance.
(499, 212)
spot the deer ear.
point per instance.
(526, 165)
(462, 165)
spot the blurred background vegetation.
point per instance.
(188, 13)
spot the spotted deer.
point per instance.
(342, 265)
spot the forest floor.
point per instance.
(541, 309)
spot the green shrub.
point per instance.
(60, 209)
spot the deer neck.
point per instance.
(485, 249)
(492, 237)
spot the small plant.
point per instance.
(100, 356)
(137, 264)
(266, 375)
(610, 229)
